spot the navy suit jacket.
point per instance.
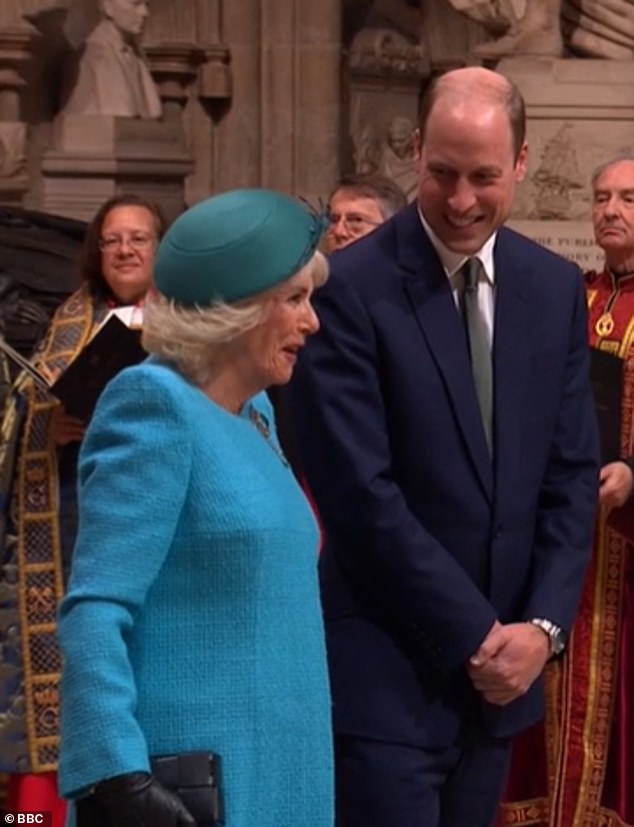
(427, 540)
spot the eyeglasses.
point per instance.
(138, 241)
(353, 222)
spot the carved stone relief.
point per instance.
(599, 28)
(386, 52)
(388, 152)
(594, 28)
(557, 182)
(580, 113)
(563, 154)
(527, 28)
(385, 67)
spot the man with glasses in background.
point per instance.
(357, 205)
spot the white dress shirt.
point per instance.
(452, 262)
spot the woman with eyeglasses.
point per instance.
(116, 268)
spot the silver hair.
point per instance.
(194, 338)
(625, 154)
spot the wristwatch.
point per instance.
(555, 634)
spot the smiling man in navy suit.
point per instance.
(449, 439)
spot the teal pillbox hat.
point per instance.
(235, 245)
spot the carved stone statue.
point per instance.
(397, 157)
(367, 150)
(536, 32)
(596, 28)
(387, 40)
(109, 76)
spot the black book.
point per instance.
(113, 347)
(606, 374)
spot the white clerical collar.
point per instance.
(130, 314)
(452, 262)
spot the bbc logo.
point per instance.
(41, 818)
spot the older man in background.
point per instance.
(357, 205)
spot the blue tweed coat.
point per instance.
(192, 618)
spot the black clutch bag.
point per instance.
(193, 776)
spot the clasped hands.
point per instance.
(509, 660)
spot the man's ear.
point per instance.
(521, 165)
(417, 149)
(105, 8)
(417, 145)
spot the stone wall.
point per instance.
(254, 86)
(288, 94)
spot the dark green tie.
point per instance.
(479, 347)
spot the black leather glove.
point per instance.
(133, 800)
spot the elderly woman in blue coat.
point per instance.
(192, 619)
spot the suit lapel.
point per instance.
(510, 356)
(428, 291)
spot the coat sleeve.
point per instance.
(345, 444)
(133, 478)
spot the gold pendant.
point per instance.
(604, 325)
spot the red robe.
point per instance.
(577, 768)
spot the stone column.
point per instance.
(236, 145)
(15, 55)
(282, 130)
(301, 72)
(215, 83)
(211, 101)
(174, 66)
(10, 12)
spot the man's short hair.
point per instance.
(625, 154)
(510, 98)
(388, 195)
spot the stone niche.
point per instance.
(384, 73)
(54, 160)
(580, 112)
